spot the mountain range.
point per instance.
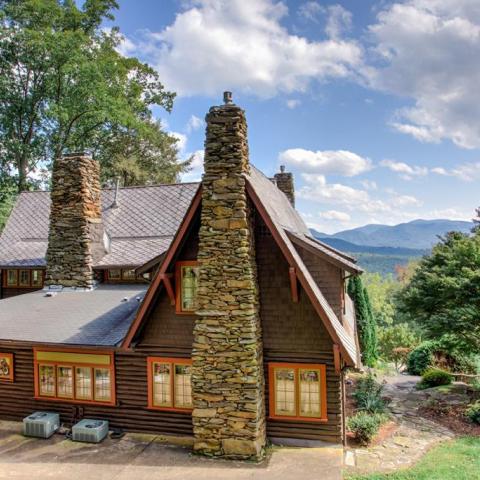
(380, 248)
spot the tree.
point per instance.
(7, 197)
(443, 296)
(395, 343)
(367, 328)
(64, 86)
(381, 291)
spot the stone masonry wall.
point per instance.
(227, 377)
(284, 181)
(75, 221)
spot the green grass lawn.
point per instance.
(455, 460)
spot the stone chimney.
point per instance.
(76, 237)
(284, 181)
(227, 374)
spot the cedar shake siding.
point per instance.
(293, 333)
(328, 277)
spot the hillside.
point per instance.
(380, 248)
(418, 234)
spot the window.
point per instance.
(115, 274)
(6, 367)
(12, 276)
(186, 281)
(169, 383)
(128, 275)
(23, 278)
(37, 278)
(298, 391)
(72, 376)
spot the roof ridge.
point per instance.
(125, 188)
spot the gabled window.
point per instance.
(75, 377)
(297, 392)
(186, 284)
(169, 383)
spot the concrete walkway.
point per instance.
(412, 438)
(139, 457)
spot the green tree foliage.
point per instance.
(395, 342)
(443, 296)
(64, 86)
(382, 291)
(7, 198)
(367, 328)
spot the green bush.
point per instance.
(473, 412)
(421, 358)
(435, 377)
(365, 426)
(368, 395)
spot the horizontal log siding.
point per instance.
(293, 333)
(7, 292)
(131, 413)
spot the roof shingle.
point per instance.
(140, 228)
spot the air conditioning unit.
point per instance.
(41, 424)
(90, 431)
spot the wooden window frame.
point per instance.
(113, 279)
(178, 285)
(297, 367)
(30, 271)
(11, 376)
(74, 364)
(172, 362)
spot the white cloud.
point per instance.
(293, 103)
(341, 162)
(467, 172)
(311, 11)
(243, 46)
(317, 189)
(181, 141)
(406, 172)
(339, 20)
(194, 123)
(369, 184)
(342, 217)
(196, 167)
(428, 50)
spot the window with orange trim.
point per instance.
(186, 284)
(297, 391)
(169, 383)
(74, 377)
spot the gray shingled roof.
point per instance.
(141, 228)
(99, 317)
(288, 221)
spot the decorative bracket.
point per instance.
(167, 280)
(337, 358)
(293, 284)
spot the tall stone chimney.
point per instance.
(76, 235)
(284, 181)
(227, 378)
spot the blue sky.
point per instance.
(373, 105)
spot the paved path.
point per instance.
(139, 457)
(414, 436)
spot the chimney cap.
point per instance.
(227, 98)
(282, 168)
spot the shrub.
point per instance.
(421, 358)
(368, 395)
(365, 426)
(435, 377)
(473, 412)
